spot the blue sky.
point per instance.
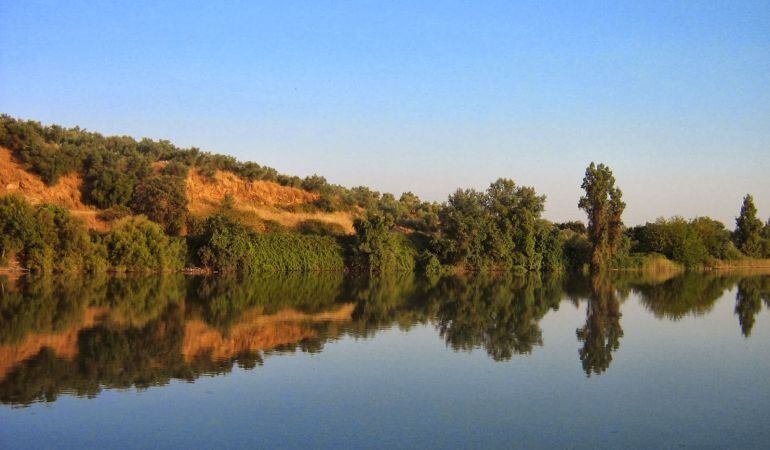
(422, 96)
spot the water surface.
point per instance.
(328, 360)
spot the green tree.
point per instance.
(162, 198)
(138, 245)
(748, 229)
(224, 245)
(604, 205)
(515, 211)
(465, 227)
(378, 248)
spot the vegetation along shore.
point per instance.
(74, 201)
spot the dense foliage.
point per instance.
(748, 229)
(162, 199)
(378, 248)
(137, 244)
(498, 229)
(45, 238)
(227, 246)
(691, 243)
(604, 205)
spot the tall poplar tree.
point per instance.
(748, 230)
(603, 202)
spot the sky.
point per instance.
(422, 96)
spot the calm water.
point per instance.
(335, 361)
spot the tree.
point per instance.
(515, 211)
(378, 248)
(465, 227)
(748, 229)
(163, 200)
(604, 205)
(225, 245)
(137, 245)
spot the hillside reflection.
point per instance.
(69, 335)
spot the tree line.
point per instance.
(498, 229)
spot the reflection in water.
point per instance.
(80, 335)
(748, 301)
(687, 294)
(602, 332)
(499, 315)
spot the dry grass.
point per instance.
(203, 190)
(255, 201)
(751, 265)
(661, 265)
(66, 192)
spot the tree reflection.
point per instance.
(499, 314)
(748, 301)
(81, 335)
(602, 331)
(687, 294)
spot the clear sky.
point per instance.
(422, 96)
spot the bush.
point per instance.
(176, 169)
(162, 199)
(227, 246)
(110, 179)
(28, 142)
(379, 249)
(429, 264)
(577, 251)
(45, 238)
(296, 252)
(114, 213)
(67, 245)
(321, 228)
(136, 244)
(224, 245)
(18, 228)
(691, 243)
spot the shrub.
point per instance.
(224, 245)
(691, 243)
(321, 228)
(18, 228)
(67, 246)
(176, 169)
(379, 249)
(296, 252)
(163, 200)
(227, 246)
(45, 238)
(110, 178)
(114, 213)
(28, 142)
(137, 244)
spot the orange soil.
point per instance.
(201, 190)
(66, 192)
(260, 198)
(64, 344)
(205, 195)
(256, 332)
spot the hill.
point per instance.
(256, 201)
